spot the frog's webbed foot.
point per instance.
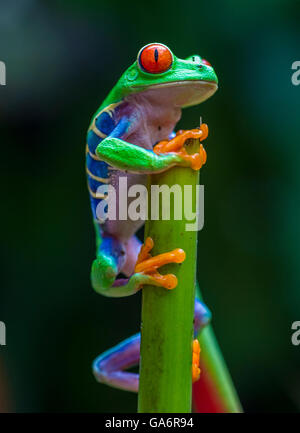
(196, 361)
(176, 145)
(148, 265)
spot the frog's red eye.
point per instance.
(206, 62)
(155, 58)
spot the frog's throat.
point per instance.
(182, 93)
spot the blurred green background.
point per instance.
(62, 58)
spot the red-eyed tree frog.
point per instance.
(131, 135)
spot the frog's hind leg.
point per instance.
(108, 367)
(114, 257)
(202, 317)
(111, 256)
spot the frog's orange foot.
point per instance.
(149, 265)
(196, 160)
(176, 145)
(203, 128)
(196, 361)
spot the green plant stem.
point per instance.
(167, 316)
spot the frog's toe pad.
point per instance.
(196, 361)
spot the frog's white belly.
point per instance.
(124, 227)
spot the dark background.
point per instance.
(62, 58)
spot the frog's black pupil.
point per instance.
(156, 54)
(159, 128)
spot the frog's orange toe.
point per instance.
(149, 265)
(196, 161)
(144, 253)
(195, 373)
(204, 129)
(160, 147)
(153, 263)
(196, 361)
(177, 256)
(168, 281)
(204, 155)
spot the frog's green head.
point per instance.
(193, 79)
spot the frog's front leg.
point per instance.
(168, 153)
(135, 159)
(112, 259)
